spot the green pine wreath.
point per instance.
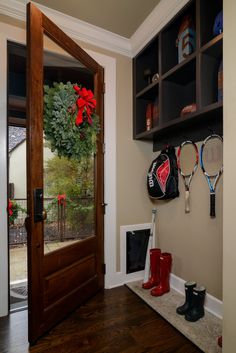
(66, 135)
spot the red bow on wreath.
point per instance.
(9, 209)
(86, 103)
(61, 199)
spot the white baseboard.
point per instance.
(212, 304)
(119, 279)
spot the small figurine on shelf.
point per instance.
(149, 112)
(220, 82)
(147, 76)
(218, 24)
(186, 41)
(191, 108)
(155, 77)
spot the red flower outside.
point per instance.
(86, 104)
(9, 209)
(61, 199)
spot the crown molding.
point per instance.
(76, 29)
(83, 31)
(158, 18)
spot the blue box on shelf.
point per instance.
(186, 41)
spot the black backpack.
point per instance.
(162, 178)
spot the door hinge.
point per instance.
(104, 88)
(103, 148)
(104, 269)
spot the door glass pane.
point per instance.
(17, 213)
(68, 158)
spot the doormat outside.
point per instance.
(20, 292)
(202, 333)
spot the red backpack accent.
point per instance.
(163, 173)
(162, 177)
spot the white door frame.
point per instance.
(18, 35)
(3, 178)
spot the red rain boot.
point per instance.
(155, 269)
(165, 267)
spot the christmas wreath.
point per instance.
(70, 123)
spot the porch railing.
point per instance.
(73, 219)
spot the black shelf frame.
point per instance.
(198, 85)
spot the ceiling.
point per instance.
(122, 17)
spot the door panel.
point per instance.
(71, 277)
(65, 251)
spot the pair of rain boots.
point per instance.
(160, 267)
(193, 308)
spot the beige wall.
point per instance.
(229, 245)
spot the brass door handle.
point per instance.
(44, 215)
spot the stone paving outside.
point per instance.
(18, 259)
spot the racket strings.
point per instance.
(212, 156)
(211, 161)
(187, 159)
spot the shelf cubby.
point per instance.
(210, 58)
(169, 50)
(147, 60)
(148, 96)
(208, 12)
(179, 90)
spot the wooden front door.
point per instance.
(65, 249)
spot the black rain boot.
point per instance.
(182, 310)
(197, 310)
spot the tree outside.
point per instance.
(73, 180)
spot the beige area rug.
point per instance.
(202, 333)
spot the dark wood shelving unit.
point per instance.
(193, 80)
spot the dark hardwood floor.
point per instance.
(114, 321)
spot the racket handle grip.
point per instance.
(147, 262)
(187, 202)
(213, 205)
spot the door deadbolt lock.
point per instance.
(39, 212)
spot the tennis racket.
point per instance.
(211, 161)
(187, 160)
